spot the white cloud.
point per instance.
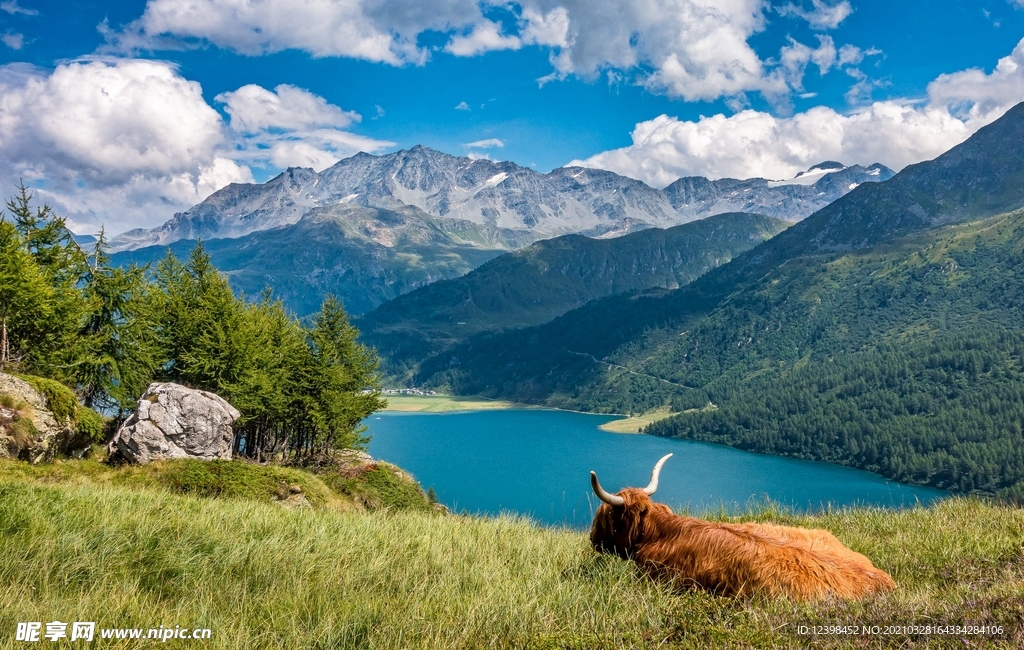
(253, 109)
(317, 148)
(291, 127)
(12, 7)
(974, 95)
(752, 143)
(551, 28)
(795, 57)
(756, 144)
(693, 49)
(822, 15)
(484, 144)
(129, 142)
(485, 36)
(105, 121)
(852, 55)
(374, 31)
(462, 106)
(13, 40)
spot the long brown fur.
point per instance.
(733, 559)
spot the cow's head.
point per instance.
(618, 523)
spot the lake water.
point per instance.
(538, 462)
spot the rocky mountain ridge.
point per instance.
(499, 196)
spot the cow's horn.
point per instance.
(652, 487)
(610, 499)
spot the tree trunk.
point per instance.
(3, 339)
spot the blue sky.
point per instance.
(124, 112)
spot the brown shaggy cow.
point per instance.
(729, 559)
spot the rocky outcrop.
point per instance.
(172, 421)
(28, 430)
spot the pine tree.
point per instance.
(347, 385)
(26, 298)
(52, 348)
(118, 357)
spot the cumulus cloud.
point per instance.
(485, 36)
(974, 95)
(822, 15)
(462, 106)
(374, 31)
(550, 28)
(291, 127)
(253, 108)
(129, 142)
(485, 144)
(693, 49)
(753, 143)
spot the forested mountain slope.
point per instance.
(544, 280)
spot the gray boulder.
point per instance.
(172, 421)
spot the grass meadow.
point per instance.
(89, 543)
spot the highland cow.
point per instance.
(729, 559)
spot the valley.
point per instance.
(809, 339)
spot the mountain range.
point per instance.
(883, 331)
(499, 197)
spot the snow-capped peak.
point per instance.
(812, 175)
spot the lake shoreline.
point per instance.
(448, 404)
(625, 424)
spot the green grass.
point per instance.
(636, 423)
(378, 488)
(261, 576)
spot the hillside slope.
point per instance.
(544, 280)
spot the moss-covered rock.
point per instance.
(42, 419)
(30, 431)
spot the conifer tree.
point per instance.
(118, 356)
(25, 297)
(48, 343)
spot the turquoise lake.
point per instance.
(538, 462)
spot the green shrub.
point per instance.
(90, 424)
(59, 399)
(393, 491)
